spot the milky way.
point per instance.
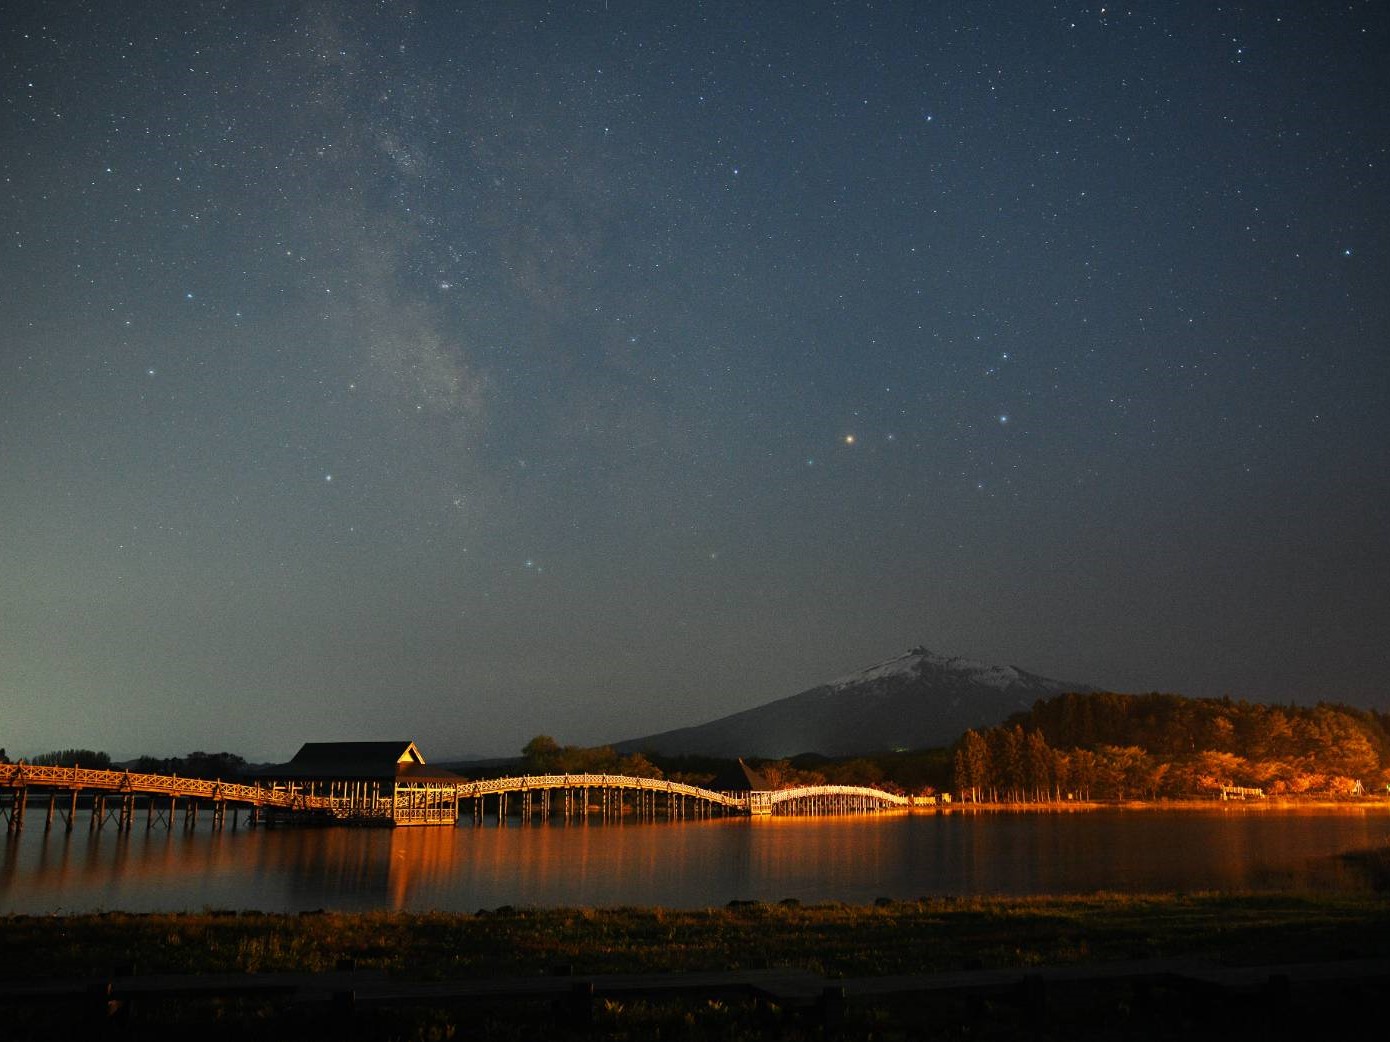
(461, 372)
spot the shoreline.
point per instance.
(1277, 803)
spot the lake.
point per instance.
(690, 864)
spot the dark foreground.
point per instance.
(1203, 965)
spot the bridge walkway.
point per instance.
(112, 798)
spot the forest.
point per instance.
(1111, 746)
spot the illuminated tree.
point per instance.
(971, 765)
(1037, 765)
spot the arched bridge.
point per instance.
(115, 796)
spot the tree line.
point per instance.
(544, 755)
(97, 761)
(1105, 745)
(211, 766)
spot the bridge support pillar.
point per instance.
(19, 797)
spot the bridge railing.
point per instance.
(535, 782)
(20, 775)
(76, 778)
(523, 783)
(812, 791)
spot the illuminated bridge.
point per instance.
(408, 795)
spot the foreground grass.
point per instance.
(834, 940)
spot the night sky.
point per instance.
(460, 372)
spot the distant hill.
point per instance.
(918, 700)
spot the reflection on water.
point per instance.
(686, 865)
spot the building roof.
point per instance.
(755, 781)
(359, 761)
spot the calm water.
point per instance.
(682, 865)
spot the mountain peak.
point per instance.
(921, 660)
(916, 700)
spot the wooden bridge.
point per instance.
(117, 797)
(112, 796)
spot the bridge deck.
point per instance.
(435, 803)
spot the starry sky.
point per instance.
(465, 371)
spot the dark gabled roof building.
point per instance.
(361, 761)
(382, 782)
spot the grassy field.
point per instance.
(835, 940)
(832, 940)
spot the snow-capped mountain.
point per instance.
(918, 700)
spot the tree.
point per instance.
(858, 771)
(541, 755)
(1037, 765)
(1005, 746)
(780, 774)
(971, 765)
(636, 765)
(211, 766)
(1082, 771)
(73, 758)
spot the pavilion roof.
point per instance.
(360, 761)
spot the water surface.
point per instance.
(690, 864)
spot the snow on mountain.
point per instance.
(917, 700)
(917, 659)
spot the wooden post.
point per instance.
(48, 819)
(21, 798)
